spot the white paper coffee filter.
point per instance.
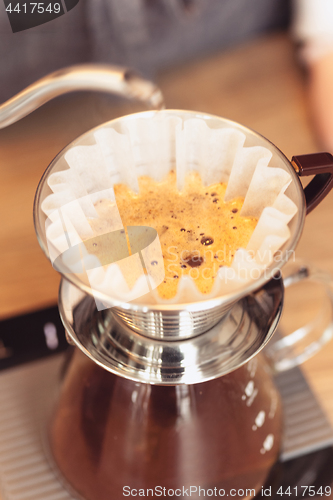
(152, 146)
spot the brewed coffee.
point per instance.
(199, 232)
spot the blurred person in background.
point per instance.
(150, 35)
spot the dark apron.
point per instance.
(147, 35)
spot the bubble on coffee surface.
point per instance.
(192, 260)
(206, 240)
(197, 234)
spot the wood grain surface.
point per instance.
(258, 85)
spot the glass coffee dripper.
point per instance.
(177, 396)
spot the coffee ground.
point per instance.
(199, 232)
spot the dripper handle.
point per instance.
(321, 166)
(102, 78)
(294, 348)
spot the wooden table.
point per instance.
(258, 85)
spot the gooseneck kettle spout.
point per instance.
(103, 78)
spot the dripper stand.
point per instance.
(241, 333)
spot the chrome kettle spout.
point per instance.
(103, 78)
